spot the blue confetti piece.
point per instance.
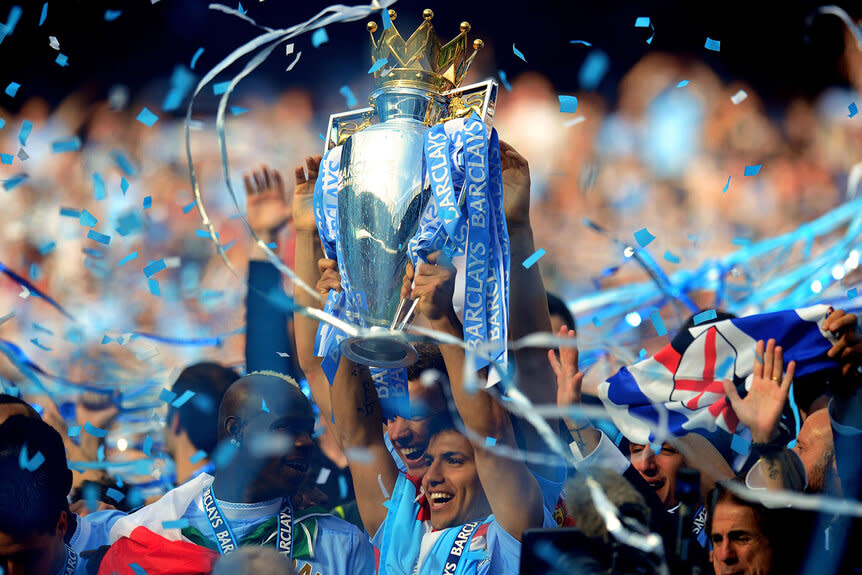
(263, 406)
(682, 84)
(99, 237)
(88, 219)
(725, 370)
(272, 245)
(115, 494)
(148, 202)
(705, 316)
(14, 181)
(47, 248)
(584, 42)
(91, 496)
(852, 109)
(44, 13)
(518, 53)
(26, 128)
(148, 445)
(379, 63)
(167, 395)
(35, 273)
(35, 341)
(490, 441)
(42, 328)
(852, 293)
(70, 213)
(537, 255)
(642, 354)
(643, 237)
(740, 445)
(12, 89)
(2, 123)
(744, 242)
(319, 37)
(98, 187)
(593, 69)
(197, 457)
(220, 88)
(714, 45)
(94, 253)
(238, 110)
(342, 486)
(228, 245)
(182, 82)
(154, 288)
(196, 57)
(387, 20)
(147, 118)
(74, 431)
(138, 570)
(568, 104)
(68, 145)
(645, 22)
(7, 159)
(189, 207)
(240, 9)
(658, 322)
(123, 163)
(204, 234)
(111, 15)
(25, 462)
(124, 185)
(94, 431)
(726, 186)
(752, 170)
(348, 95)
(505, 80)
(175, 524)
(155, 267)
(596, 321)
(181, 400)
(61, 60)
(127, 259)
(100, 453)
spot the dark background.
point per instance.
(768, 45)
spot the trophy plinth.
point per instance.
(383, 348)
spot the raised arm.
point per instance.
(516, 501)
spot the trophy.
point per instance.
(383, 188)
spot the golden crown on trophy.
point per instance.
(421, 61)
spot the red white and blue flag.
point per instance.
(681, 386)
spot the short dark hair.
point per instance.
(199, 415)
(556, 306)
(720, 493)
(32, 500)
(6, 399)
(429, 357)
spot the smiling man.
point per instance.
(658, 469)
(265, 424)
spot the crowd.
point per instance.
(142, 432)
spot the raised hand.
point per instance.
(761, 409)
(303, 195)
(516, 186)
(433, 286)
(569, 378)
(847, 351)
(330, 279)
(267, 209)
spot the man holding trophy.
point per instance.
(396, 203)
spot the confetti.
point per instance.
(739, 97)
(47, 248)
(537, 255)
(127, 259)
(852, 293)
(584, 42)
(490, 441)
(593, 69)
(154, 287)
(379, 63)
(713, 45)
(196, 57)
(382, 487)
(94, 431)
(98, 237)
(348, 95)
(575, 121)
(741, 242)
(342, 486)
(26, 128)
(726, 186)
(221, 88)
(124, 185)
(147, 118)
(645, 22)
(643, 237)
(323, 475)
(198, 457)
(148, 202)
(98, 187)
(853, 109)
(568, 104)
(189, 207)
(518, 53)
(705, 316)
(240, 9)
(181, 400)
(740, 445)
(123, 162)
(752, 170)
(25, 462)
(137, 569)
(263, 406)
(148, 445)
(596, 321)
(100, 453)
(182, 81)
(111, 15)
(69, 145)
(682, 84)
(62, 60)
(319, 37)
(35, 341)
(7, 159)
(292, 64)
(504, 79)
(53, 42)
(2, 123)
(175, 524)
(44, 13)
(22, 155)
(87, 219)
(658, 322)
(12, 89)
(74, 431)
(153, 268)
(282, 354)
(387, 20)
(238, 110)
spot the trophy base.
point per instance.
(390, 349)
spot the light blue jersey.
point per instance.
(408, 545)
(93, 530)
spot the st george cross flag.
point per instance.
(683, 381)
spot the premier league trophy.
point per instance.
(375, 183)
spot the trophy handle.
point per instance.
(480, 98)
(342, 126)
